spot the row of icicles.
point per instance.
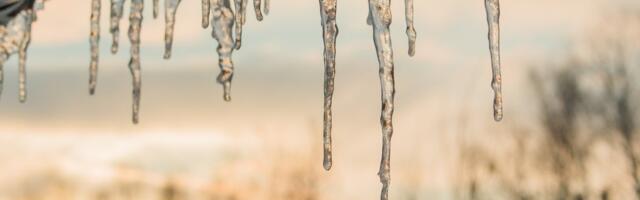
(226, 19)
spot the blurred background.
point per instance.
(569, 132)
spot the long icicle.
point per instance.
(240, 6)
(206, 10)
(493, 20)
(222, 23)
(328, 10)
(267, 6)
(117, 7)
(381, 19)
(257, 5)
(170, 8)
(95, 48)
(411, 30)
(3, 59)
(22, 54)
(156, 8)
(135, 23)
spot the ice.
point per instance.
(380, 12)
(170, 8)
(493, 20)
(328, 10)
(94, 39)
(135, 23)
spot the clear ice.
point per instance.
(493, 20)
(15, 38)
(170, 8)
(117, 7)
(222, 23)
(380, 15)
(22, 55)
(206, 11)
(241, 8)
(257, 5)
(156, 8)
(328, 10)
(135, 23)
(94, 39)
(411, 30)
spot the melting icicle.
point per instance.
(381, 19)
(222, 23)
(15, 38)
(3, 58)
(170, 8)
(493, 19)
(116, 14)
(266, 6)
(241, 7)
(257, 4)
(411, 30)
(135, 22)
(156, 8)
(206, 10)
(22, 54)
(328, 10)
(94, 40)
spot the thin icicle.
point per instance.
(156, 8)
(206, 10)
(22, 54)
(3, 59)
(116, 14)
(170, 8)
(135, 23)
(240, 6)
(95, 48)
(381, 19)
(493, 20)
(411, 30)
(222, 23)
(257, 5)
(266, 6)
(328, 10)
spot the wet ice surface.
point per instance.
(117, 7)
(15, 38)
(170, 8)
(328, 10)
(94, 39)
(222, 22)
(493, 20)
(380, 12)
(411, 30)
(135, 24)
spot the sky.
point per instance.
(277, 88)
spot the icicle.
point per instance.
(257, 4)
(240, 6)
(22, 54)
(94, 39)
(206, 10)
(116, 14)
(222, 23)
(328, 10)
(381, 19)
(135, 22)
(266, 6)
(156, 8)
(170, 8)
(3, 58)
(493, 19)
(411, 30)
